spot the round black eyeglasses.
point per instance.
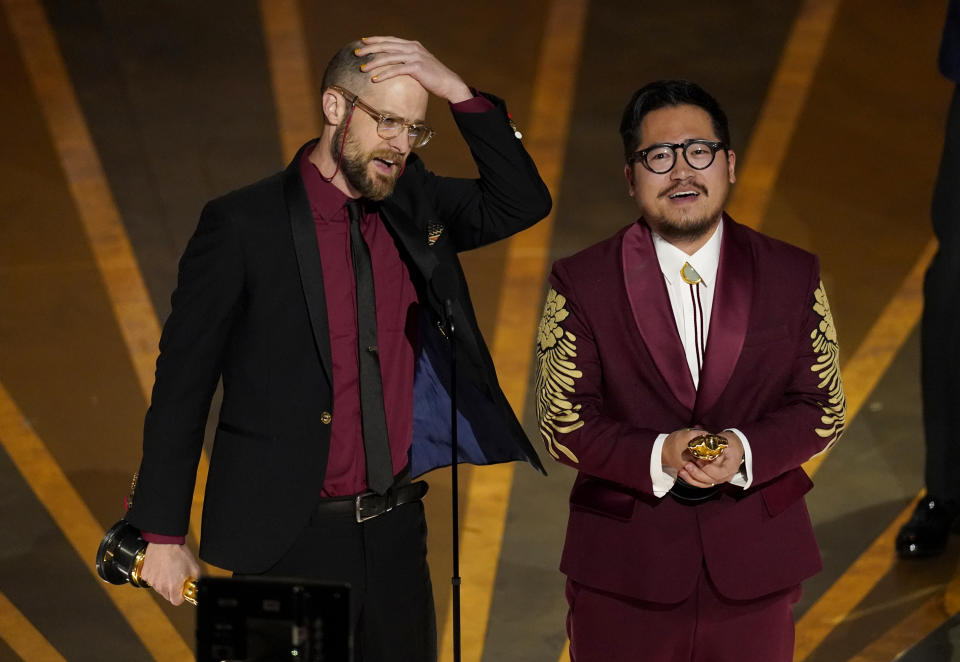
(661, 157)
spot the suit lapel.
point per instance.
(308, 259)
(406, 234)
(729, 318)
(652, 313)
(411, 238)
(421, 256)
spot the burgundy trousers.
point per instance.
(705, 627)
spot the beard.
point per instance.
(354, 164)
(682, 224)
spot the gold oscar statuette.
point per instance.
(707, 447)
(120, 559)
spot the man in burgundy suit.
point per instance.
(686, 323)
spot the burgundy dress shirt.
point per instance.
(397, 320)
(397, 324)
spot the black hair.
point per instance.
(664, 94)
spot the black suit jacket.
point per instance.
(249, 307)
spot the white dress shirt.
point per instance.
(692, 306)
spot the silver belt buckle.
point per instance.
(360, 517)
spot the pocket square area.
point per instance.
(434, 230)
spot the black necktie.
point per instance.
(375, 443)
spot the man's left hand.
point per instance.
(401, 57)
(701, 473)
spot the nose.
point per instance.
(681, 169)
(400, 142)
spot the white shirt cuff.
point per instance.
(661, 476)
(743, 479)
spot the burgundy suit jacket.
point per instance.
(612, 376)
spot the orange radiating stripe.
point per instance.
(951, 598)
(54, 490)
(488, 496)
(24, 639)
(859, 579)
(289, 60)
(96, 207)
(88, 185)
(882, 343)
(921, 622)
(781, 111)
(768, 148)
(916, 626)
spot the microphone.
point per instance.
(443, 283)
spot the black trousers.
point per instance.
(385, 562)
(940, 331)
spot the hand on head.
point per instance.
(400, 57)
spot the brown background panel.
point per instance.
(856, 185)
(868, 479)
(178, 100)
(41, 574)
(61, 355)
(901, 592)
(731, 49)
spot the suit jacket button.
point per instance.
(325, 418)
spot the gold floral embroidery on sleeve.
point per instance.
(556, 375)
(827, 367)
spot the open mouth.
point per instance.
(684, 195)
(384, 164)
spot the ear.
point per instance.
(628, 175)
(731, 166)
(334, 107)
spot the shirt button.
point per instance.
(325, 418)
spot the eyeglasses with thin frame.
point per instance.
(661, 157)
(389, 126)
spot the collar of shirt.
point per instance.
(706, 260)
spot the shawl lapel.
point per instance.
(652, 313)
(730, 316)
(308, 258)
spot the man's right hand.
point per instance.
(675, 453)
(167, 568)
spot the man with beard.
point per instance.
(687, 367)
(309, 293)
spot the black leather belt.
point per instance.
(684, 491)
(367, 505)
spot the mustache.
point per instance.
(683, 187)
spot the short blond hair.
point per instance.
(344, 69)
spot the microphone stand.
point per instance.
(455, 486)
(443, 283)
